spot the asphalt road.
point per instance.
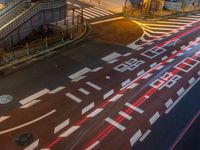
(114, 102)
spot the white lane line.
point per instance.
(79, 73)
(30, 104)
(174, 52)
(164, 58)
(147, 76)
(135, 137)
(107, 20)
(69, 131)
(140, 73)
(179, 99)
(34, 96)
(125, 115)
(95, 112)
(124, 83)
(160, 67)
(154, 118)
(61, 126)
(113, 61)
(78, 79)
(133, 85)
(28, 123)
(84, 91)
(134, 108)
(78, 100)
(191, 81)
(179, 54)
(145, 135)
(97, 69)
(94, 86)
(116, 124)
(33, 145)
(108, 94)
(87, 108)
(111, 56)
(180, 91)
(127, 54)
(169, 103)
(56, 90)
(3, 118)
(93, 145)
(115, 98)
(153, 64)
(170, 60)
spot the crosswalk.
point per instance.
(158, 29)
(90, 12)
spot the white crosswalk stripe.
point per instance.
(160, 29)
(93, 12)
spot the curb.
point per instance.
(76, 40)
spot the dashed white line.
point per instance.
(30, 104)
(69, 131)
(93, 85)
(95, 112)
(56, 90)
(135, 137)
(108, 94)
(154, 118)
(180, 91)
(84, 91)
(169, 103)
(3, 118)
(93, 145)
(61, 126)
(33, 145)
(78, 100)
(145, 135)
(87, 108)
(116, 124)
(125, 115)
(34, 96)
(134, 108)
(115, 98)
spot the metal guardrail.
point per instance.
(26, 15)
(11, 5)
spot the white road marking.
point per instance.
(127, 54)
(125, 115)
(97, 69)
(34, 96)
(179, 99)
(107, 20)
(134, 108)
(145, 135)
(69, 131)
(56, 90)
(115, 98)
(164, 58)
(3, 118)
(28, 123)
(78, 100)
(95, 112)
(30, 104)
(111, 57)
(87, 108)
(191, 81)
(94, 86)
(93, 145)
(170, 60)
(154, 118)
(147, 76)
(168, 103)
(135, 137)
(160, 67)
(33, 145)
(124, 83)
(78, 79)
(153, 64)
(108, 94)
(180, 91)
(140, 73)
(79, 73)
(61, 126)
(116, 124)
(84, 91)
(174, 52)
(133, 85)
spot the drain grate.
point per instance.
(24, 139)
(5, 99)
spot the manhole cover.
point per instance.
(24, 139)
(5, 99)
